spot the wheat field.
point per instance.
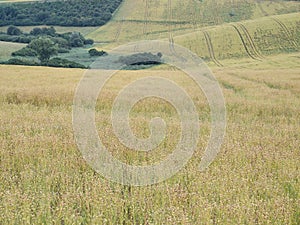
(254, 180)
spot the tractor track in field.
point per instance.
(242, 26)
(210, 48)
(244, 43)
(285, 31)
(146, 15)
(119, 29)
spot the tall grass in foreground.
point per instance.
(254, 180)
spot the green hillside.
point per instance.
(253, 38)
(151, 17)
(267, 27)
(215, 30)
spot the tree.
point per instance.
(76, 40)
(44, 48)
(36, 31)
(43, 31)
(12, 30)
(88, 41)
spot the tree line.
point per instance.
(64, 41)
(44, 43)
(58, 13)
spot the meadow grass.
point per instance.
(254, 180)
(6, 48)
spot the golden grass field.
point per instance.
(254, 180)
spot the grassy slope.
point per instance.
(267, 35)
(184, 23)
(255, 178)
(6, 48)
(145, 15)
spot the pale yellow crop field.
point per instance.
(254, 179)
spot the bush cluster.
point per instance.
(17, 61)
(59, 62)
(14, 38)
(54, 62)
(26, 51)
(95, 52)
(43, 43)
(145, 58)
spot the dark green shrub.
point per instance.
(77, 42)
(44, 47)
(95, 52)
(36, 31)
(25, 52)
(61, 42)
(16, 61)
(141, 59)
(24, 39)
(88, 41)
(59, 62)
(12, 30)
(63, 50)
(8, 38)
(14, 38)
